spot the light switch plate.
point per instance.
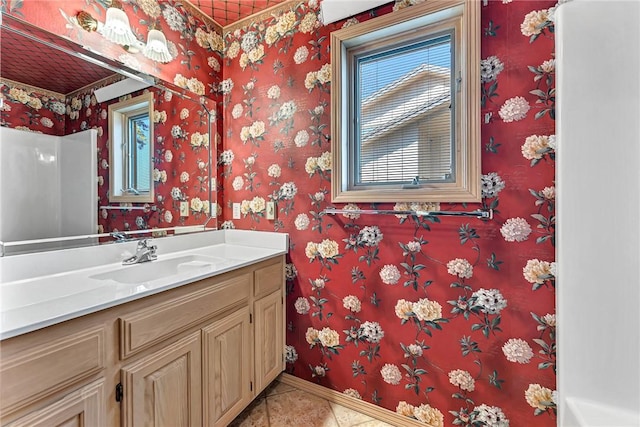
(236, 211)
(184, 209)
(271, 210)
(214, 209)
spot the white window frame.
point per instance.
(431, 17)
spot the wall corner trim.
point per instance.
(334, 396)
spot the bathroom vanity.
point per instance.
(191, 346)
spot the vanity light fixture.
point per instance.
(116, 29)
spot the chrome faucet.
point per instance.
(145, 252)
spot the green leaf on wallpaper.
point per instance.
(492, 146)
(494, 380)
(468, 346)
(466, 233)
(491, 29)
(375, 301)
(493, 262)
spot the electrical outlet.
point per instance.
(271, 210)
(184, 209)
(236, 211)
(214, 209)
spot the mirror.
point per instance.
(59, 99)
(131, 149)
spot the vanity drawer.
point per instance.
(144, 328)
(43, 370)
(268, 279)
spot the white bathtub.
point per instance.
(598, 212)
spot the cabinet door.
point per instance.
(164, 388)
(269, 339)
(84, 407)
(227, 368)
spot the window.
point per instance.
(405, 98)
(131, 150)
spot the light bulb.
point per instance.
(116, 28)
(156, 48)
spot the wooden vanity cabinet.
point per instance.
(196, 355)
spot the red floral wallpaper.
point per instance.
(27, 108)
(449, 321)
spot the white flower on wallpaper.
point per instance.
(159, 175)
(490, 67)
(390, 274)
(257, 204)
(427, 310)
(238, 183)
(193, 84)
(514, 109)
(274, 170)
(515, 230)
(158, 116)
(226, 86)
(290, 271)
(285, 112)
(328, 337)
(371, 331)
(309, 23)
(226, 157)
(302, 305)
(463, 379)
(199, 139)
(401, 4)
(539, 397)
(537, 272)
(273, 92)
(302, 138)
(184, 177)
(536, 146)
(232, 50)
(227, 225)
(534, 22)
(254, 56)
(352, 303)
(213, 62)
(352, 393)
(290, 354)
(404, 309)
(209, 40)
(197, 205)
(391, 374)
(302, 221)
(491, 416)
(460, 267)
(517, 350)
(492, 184)
(490, 301)
(237, 111)
(168, 216)
(429, 415)
(350, 22)
(370, 236)
(173, 18)
(318, 284)
(413, 350)
(46, 122)
(301, 55)
(168, 156)
(287, 191)
(318, 78)
(328, 248)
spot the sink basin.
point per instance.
(154, 270)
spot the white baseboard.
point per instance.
(361, 406)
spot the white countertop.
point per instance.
(43, 289)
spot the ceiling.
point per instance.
(35, 65)
(226, 12)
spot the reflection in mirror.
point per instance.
(131, 149)
(180, 126)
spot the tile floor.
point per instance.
(282, 405)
